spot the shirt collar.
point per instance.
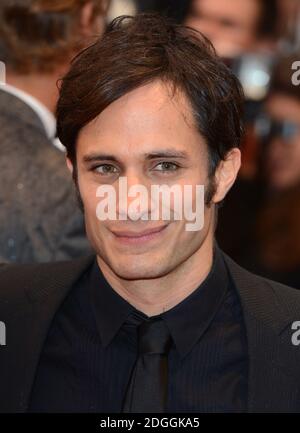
(187, 321)
(45, 115)
(110, 309)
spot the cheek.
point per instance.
(188, 199)
(290, 154)
(296, 153)
(190, 241)
(293, 165)
(88, 192)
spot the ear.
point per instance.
(226, 174)
(69, 165)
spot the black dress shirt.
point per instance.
(91, 349)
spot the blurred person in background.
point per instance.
(245, 35)
(39, 217)
(235, 26)
(175, 9)
(289, 24)
(276, 240)
(260, 227)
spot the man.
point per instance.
(161, 320)
(39, 217)
(235, 26)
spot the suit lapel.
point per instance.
(272, 357)
(27, 329)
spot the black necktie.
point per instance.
(147, 388)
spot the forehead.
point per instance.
(148, 117)
(235, 10)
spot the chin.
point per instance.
(134, 271)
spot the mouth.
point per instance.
(131, 237)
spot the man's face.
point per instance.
(283, 154)
(148, 137)
(229, 24)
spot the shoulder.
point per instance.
(21, 283)
(20, 125)
(257, 281)
(261, 296)
(15, 112)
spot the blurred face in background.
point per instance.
(283, 153)
(231, 25)
(92, 21)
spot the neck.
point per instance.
(41, 86)
(157, 295)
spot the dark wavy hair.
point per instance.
(137, 50)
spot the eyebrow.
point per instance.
(99, 157)
(165, 153)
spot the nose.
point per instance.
(133, 198)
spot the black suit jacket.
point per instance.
(39, 217)
(30, 295)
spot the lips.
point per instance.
(132, 234)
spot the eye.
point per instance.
(104, 169)
(166, 166)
